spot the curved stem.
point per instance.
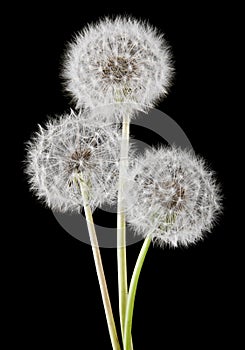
(132, 293)
(121, 224)
(99, 267)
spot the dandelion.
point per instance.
(71, 163)
(120, 61)
(126, 64)
(68, 147)
(173, 197)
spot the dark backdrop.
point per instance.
(185, 295)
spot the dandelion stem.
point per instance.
(99, 267)
(121, 224)
(132, 293)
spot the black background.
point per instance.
(185, 296)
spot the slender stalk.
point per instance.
(99, 267)
(132, 293)
(121, 224)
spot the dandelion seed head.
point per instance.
(67, 147)
(122, 61)
(172, 196)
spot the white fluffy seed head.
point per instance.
(120, 61)
(69, 146)
(172, 196)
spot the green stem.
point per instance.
(121, 224)
(132, 293)
(99, 267)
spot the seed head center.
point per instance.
(119, 69)
(78, 158)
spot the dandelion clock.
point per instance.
(122, 61)
(69, 148)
